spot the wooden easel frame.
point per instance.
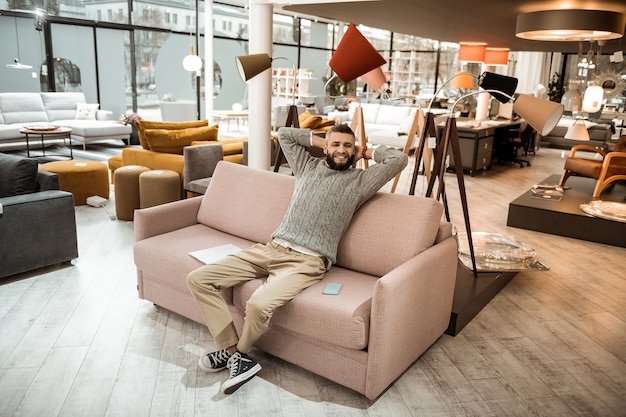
(416, 126)
(292, 121)
(358, 127)
(450, 138)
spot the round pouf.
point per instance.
(127, 190)
(81, 178)
(158, 186)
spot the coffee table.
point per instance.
(47, 132)
(230, 114)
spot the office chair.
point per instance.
(518, 139)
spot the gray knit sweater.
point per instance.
(324, 200)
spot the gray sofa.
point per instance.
(599, 134)
(37, 221)
(18, 110)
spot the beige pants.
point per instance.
(288, 273)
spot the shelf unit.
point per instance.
(404, 74)
(282, 84)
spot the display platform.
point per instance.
(564, 217)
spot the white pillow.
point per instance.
(86, 111)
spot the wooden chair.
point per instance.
(611, 167)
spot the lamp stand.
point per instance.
(450, 138)
(416, 125)
(358, 127)
(292, 121)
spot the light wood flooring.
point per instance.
(76, 340)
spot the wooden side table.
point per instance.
(47, 132)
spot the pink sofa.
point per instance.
(397, 263)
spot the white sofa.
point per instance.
(18, 110)
(386, 122)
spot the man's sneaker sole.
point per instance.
(233, 384)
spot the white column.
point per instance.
(260, 87)
(208, 61)
(482, 100)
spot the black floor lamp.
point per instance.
(543, 115)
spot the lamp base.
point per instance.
(292, 121)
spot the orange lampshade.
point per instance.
(374, 79)
(354, 56)
(462, 80)
(496, 56)
(472, 52)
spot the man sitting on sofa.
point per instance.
(326, 196)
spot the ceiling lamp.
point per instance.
(472, 52)
(570, 25)
(497, 56)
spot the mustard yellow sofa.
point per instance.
(163, 142)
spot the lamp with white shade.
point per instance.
(577, 131)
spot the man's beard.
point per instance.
(339, 167)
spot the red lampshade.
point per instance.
(496, 56)
(472, 52)
(354, 56)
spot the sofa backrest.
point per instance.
(23, 108)
(62, 106)
(387, 230)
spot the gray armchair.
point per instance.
(37, 220)
(199, 163)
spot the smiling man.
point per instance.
(303, 247)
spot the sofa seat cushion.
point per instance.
(342, 319)
(9, 132)
(92, 128)
(170, 264)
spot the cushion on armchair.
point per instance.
(173, 141)
(149, 124)
(17, 175)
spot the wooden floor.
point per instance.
(76, 340)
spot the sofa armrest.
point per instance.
(166, 218)
(47, 181)
(105, 115)
(200, 161)
(411, 309)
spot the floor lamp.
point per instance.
(542, 115)
(250, 66)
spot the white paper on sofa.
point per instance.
(215, 253)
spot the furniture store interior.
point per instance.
(139, 141)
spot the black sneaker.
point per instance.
(214, 361)
(242, 369)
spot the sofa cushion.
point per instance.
(374, 246)
(392, 115)
(17, 175)
(62, 106)
(149, 124)
(311, 122)
(85, 111)
(23, 108)
(342, 319)
(173, 141)
(228, 205)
